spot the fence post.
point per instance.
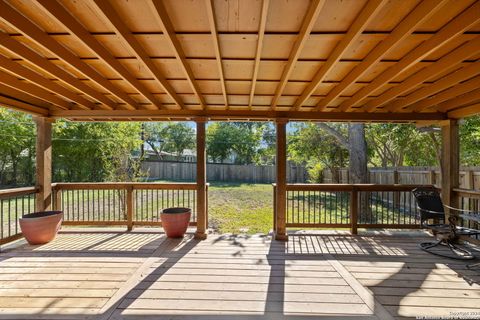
(353, 211)
(432, 177)
(129, 208)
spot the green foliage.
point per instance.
(470, 141)
(239, 139)
(17, 148)
(95, 151)
(312, 145)
(394, 145)
(175, 137)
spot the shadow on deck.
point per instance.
(105, 274)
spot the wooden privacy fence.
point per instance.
(186, 171)
(469, 176)
(130, 204)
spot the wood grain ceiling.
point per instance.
(350, 60)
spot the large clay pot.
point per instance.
(175, 221)
(41, 227)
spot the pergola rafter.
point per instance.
(34, 33)
(358, 26)
(307, 25)
(421, 13)
(58, 12)
(249, 56)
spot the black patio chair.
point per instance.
(431, 207)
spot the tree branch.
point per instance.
(334, 133)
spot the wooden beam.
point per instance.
(281, 181)
(303, 35)
(202, 223)
(44, 164)
(454, 28)
(33, 90)
(34, 58)
(455, 57)
(438, 86)
(122, 30)
(171, 37)
(31, 31)
(258, 52)
(246, 114)
(58, 12)
(22, 72)
(216, 47)
(423, 11)
(358, 26)
(21, 96)
(462, 100)
(450, 162)
(446, 95)
(464, 112)
(22, 106)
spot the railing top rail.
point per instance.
(124, 185)
(467, 192)
(15, 192)
(353, 187)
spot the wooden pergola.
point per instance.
(270, 60)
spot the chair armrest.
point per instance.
(461, 210)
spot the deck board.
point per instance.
(142, 275)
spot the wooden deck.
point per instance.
(105, 274)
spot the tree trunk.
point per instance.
(358, 169)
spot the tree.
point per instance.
(239, 139)
(312, 145)
(17, 148)
(95, 151)
(470, 141)
(178, 137)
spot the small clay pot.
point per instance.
(41, 227)
(175, 221)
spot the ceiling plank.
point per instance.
(303, 35)
(121, 29)
(455, 57)
(451, 81)
(22, 106)
(363, 19)
(462, 100)
(20, 95)
(30, 30)
(247, 114)
(58, 12)
(216, 46)
(32, 57)
(454, 28)
(423, 11)
(33, 90)
(445, 95)
(171, 37)
(258, 51)
(465, 111)
(23, 72)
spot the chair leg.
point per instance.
(473, 265)
(428, 245)
(457, 253)
(466, 255)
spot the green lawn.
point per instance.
(240, 208)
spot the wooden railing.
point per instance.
(129, 204)
(14, 203)
(469, 200)
(350, 206)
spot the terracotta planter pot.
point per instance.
(41, 227)
(175, 221)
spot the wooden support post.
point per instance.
(396, 195)
(201, 181)
(44, 164)
(432, 179)
(450, 162)
(57, 193)
(281, 165)
(353, 211)
(130, 207)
